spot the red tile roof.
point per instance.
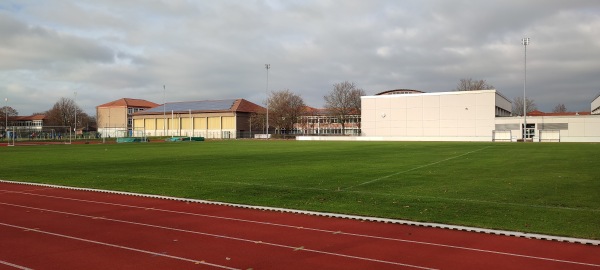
(242, 105)
(130, 102)
(27, 118)
(540, 113)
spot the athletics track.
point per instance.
(47, 227)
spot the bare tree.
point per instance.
(343, 101)
(63, 114)
(517, 108)
(7, 112)
(257, 122)
(471, 85)
(285, 108)
(560, 108)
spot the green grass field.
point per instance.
(549, 188)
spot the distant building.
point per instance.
(228, 118)
(321, 122)
(32, 122)
(115, 118)
(481, 115)
(32, 127)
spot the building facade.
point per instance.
(115, 119)
(212, 119)
(441, 116)
(482, 115)
(595, 108)
(319, 122)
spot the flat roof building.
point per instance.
(446, 116)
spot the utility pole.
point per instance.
(268, 66)
(525, 42)
(75, 108)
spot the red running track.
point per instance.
(45, 227)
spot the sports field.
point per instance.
(548, 188)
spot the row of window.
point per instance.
(34, 123)
(328, 119)
(134, 110)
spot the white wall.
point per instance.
(595, 108)
(444, 116)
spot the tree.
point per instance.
(517, 108)
(470, 85)
(285, 108)
(6, 112)
(343, 101)
(63, 114)
(560, 108)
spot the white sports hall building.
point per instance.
(483, 115)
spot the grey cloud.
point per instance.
(209, 50)
(27, 47)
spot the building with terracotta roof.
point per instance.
(115, 118)
(29, 122)
(228, 118)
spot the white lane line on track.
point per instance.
(415, 168)
(15, 266)
(217, 236)
(116, 246)
(315, 230)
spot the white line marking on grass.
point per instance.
(294, 248)
(15, 266)
(116, 246)
(415, 168)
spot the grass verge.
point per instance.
(549, 188)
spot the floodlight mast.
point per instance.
(164, 110)
(525, 42)
(6, 119)
(75, 109)
(268, 66)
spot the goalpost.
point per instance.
(49, 134)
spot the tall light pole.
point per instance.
(268, 66)
(164, 110)
(75, 108)
(525, 42)
(6, 117)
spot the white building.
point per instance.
(596, 105)
(443, 116)
(482, 115)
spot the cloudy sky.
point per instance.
(111, 49)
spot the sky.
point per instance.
(175, 50)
